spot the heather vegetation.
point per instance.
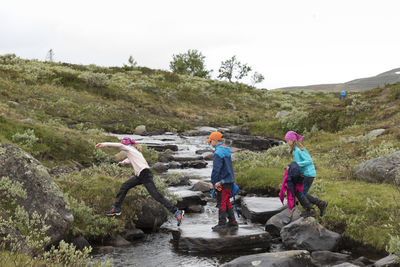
(57, 112)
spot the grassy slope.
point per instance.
(69, 103)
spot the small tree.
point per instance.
(50, 56)
(190, 63)
(233, 68)
(256, 78)
(132, 62)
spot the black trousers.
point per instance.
(145, 178)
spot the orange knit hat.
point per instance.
(214, 136)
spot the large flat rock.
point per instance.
(189, 198)
(260, 209)
(200, 238)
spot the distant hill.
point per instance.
(380, 80)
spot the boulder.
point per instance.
(375, 133)
(181, 181)
(281, 114)
(382, 169)
(261, 209)
(105, 249)
(162, 147)
(160, 167)
(322, 258)
(118, 241)
(389, 261)
(189, 198)
(174, 165)
(253, 143)
(200, 238)
(141, 129)
(363, 261)
(194, 209)
(278, 221)
(152, 215)
(196, 164)
(291, 258)
(201, 186)
(165, 157)
(43, 195)
(308, 234)
(134, 234)
(80, 242)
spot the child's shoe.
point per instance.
(219, 227)
(322, 207)
(114, 211)
(179, 216)
(233, 224)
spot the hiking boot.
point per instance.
(308, 213)
(114, 211)
(219, 227)
(233, 224)
(322, 207)
(179, 216)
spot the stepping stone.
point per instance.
(260, 209)
(189, 198)
(201, 238)
(278, 221)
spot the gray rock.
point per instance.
(281, 114)
(184, 180)
(194, 209)
(160, 167)
(27, 121)
(308, 234)
(13, 103)
(201, 186)
(119, 241)
(253, 143)
(376, 132)
(208, 156)
(162, 147)
(345, 264)
(202, 151)
(197, 164)
(141, 129)
(189, 198)
(174, 165)
(134, 234)
(363, 261)
(200, 238)
(278, 221)
(322, 258)
(165, 157)
(43, 195)
(389, 261)
(186, 158)
(80, 242)
(382, 169)
(152, 215)
(261, 209)
(105, 249)
(291, 258)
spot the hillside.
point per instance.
(58, 111)
(380, 80)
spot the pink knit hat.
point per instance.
(293, 136)
(127, 141)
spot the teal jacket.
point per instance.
(222, 165)
(303, 159)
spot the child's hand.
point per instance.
(121, 163)
(217, 184)
(99, 145)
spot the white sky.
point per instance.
(290, 42)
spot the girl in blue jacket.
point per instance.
(222, 178)
(307, 169)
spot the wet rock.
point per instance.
(42, 194)
(141, 129)
(165, 157)
(389, 261)
(197, 164)
(159, 147)
(322, 258)
(186, 158)
(382, 169)
(181, 181)
(119, 241)
(201, 186)
(345, 264)
(363, 261)
(261, 209)
(308, 234)
(291, 258)
(80, 243)
(160, 167)
(278, 221)
(105, 249)
(134, 234)
(202, 151)
(152, 215)
(194, 209)
(200, 238)
(208, 156)
(254, 143)
(189, 198)
(174, 165)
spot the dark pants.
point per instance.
(224, 204)
(145, 178)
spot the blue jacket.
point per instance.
(222, 165)
(303, 159)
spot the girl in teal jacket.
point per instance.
(307, 169)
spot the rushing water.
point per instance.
(156, 249)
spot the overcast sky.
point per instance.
(289, 42)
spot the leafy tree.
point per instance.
(131, 61)
(233, 68)
(190, 63)
(256, 78)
